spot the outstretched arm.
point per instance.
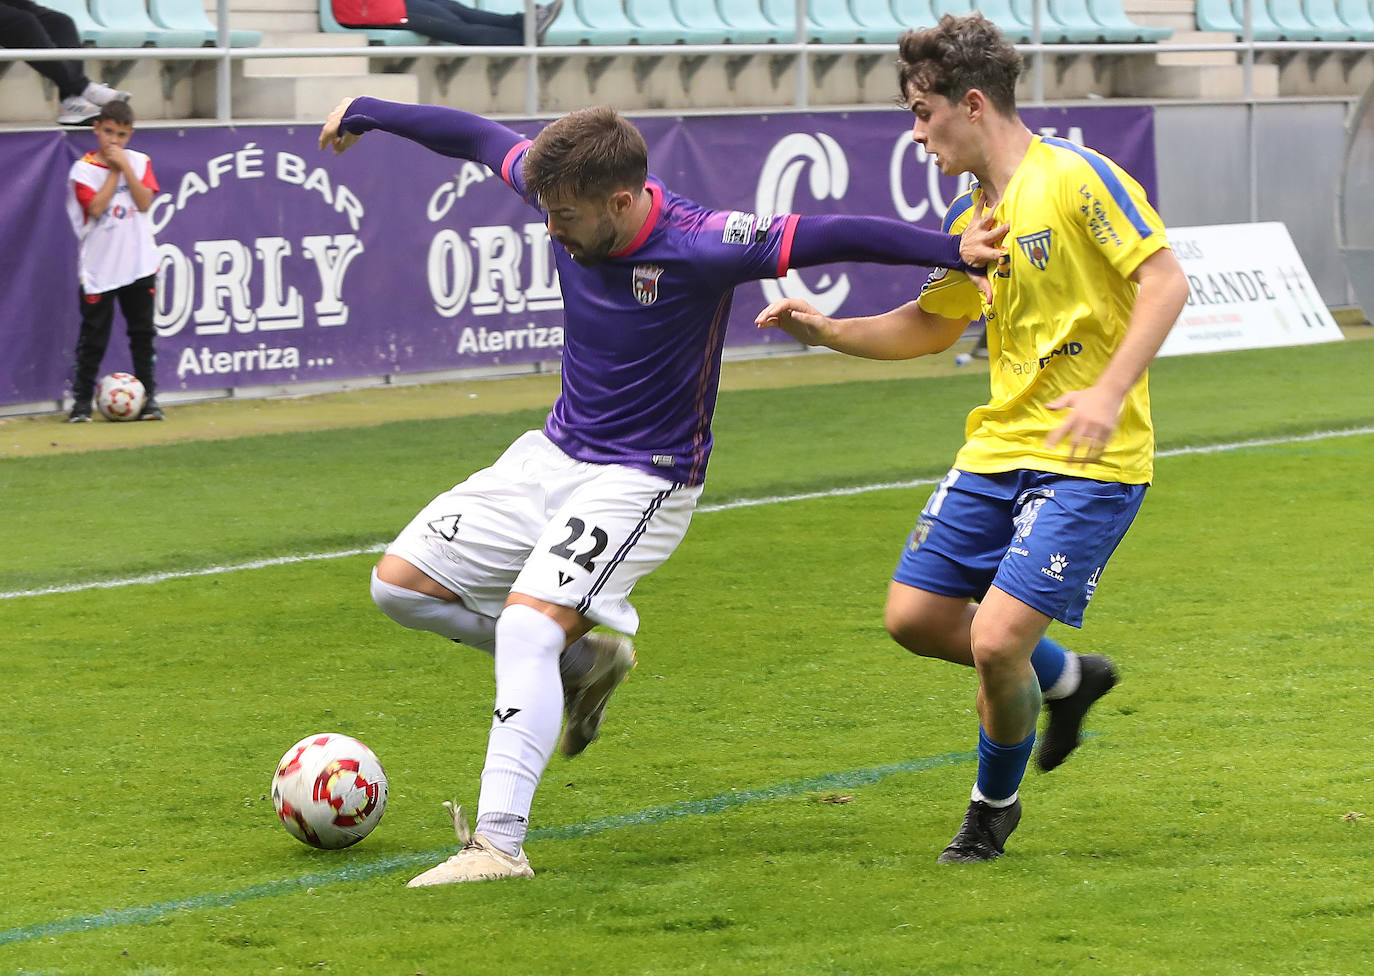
(905, 332)
(884, 240)
(443, 130)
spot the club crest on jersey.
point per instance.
(1036, 248)
(646, 283)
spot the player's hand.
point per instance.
(1092, 420)
(331, 136)
(796, 317)
(981, 242)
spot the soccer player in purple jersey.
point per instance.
(522, 559)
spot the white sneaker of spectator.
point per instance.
(75, 110)
(98, 94)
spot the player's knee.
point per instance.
(998, 649)
(913, 633)
(400, 604)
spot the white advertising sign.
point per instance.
(1248, 289)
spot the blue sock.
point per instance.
(1001, 768)
(1047, 660)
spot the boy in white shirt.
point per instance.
(112, 189)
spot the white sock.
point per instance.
(1067, 682)
(525, 723)
(977, 795)
(447, 618)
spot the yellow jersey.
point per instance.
(1062, 298)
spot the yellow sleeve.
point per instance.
(951, 295)
(1116, 214)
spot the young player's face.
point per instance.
(584, 226)
(942, 127)
(111, 135)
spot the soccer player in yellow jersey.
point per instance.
(1055, 465)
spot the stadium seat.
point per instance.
(1217, 12)
(835, 22)
(746, 20)
(703, 16)
(1110, 13)
(1327, 22)
(654, 18)
(1079, 22)
(131, 15)
(1292, 22)
(374, 35)
(1357, 15)
(189, 15)
(956, 7)
(1223, 16)
(609, 24)
(1001, 13)
(917, 14)
(92, 31)
(1052, 29)
(877, 20)
(827, 21)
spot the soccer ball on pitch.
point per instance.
(329, 790)
(120, 396)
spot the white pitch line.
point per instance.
(720, 507)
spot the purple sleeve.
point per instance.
(883, 240)
(443, 130)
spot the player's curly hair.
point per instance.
(588, 153)
(956, 55)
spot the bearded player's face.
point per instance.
(584, 226)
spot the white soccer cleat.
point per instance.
(477, 861)
(584, 703)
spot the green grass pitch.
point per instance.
(776, 778)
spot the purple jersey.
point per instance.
(644, 330)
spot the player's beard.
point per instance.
(598, 250)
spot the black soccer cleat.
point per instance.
(1064, 731)
(151, 411)
(983, 834)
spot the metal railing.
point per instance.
(1039, 53)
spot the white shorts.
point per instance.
(540, 523)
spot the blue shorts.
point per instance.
(1043, 538)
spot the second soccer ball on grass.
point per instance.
(120, 396)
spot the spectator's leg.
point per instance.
(445, 20)
(26, 25)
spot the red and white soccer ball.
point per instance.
(329, 790)
(120, 396)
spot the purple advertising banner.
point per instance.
(282, 264)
